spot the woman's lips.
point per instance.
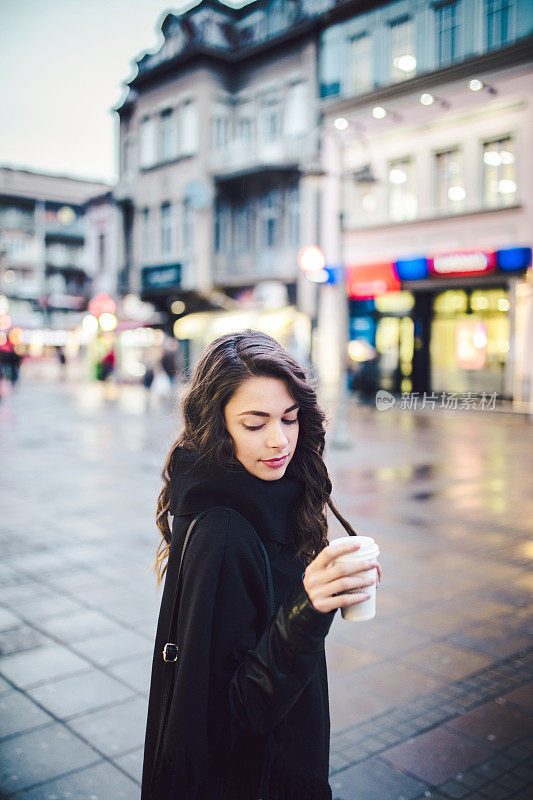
(275, 462)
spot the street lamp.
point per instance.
(326, 266)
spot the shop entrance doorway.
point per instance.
(470, 340)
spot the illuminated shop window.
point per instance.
(402, 196)
(395, 302)
(490, 300)
(499, 173)
(450, 302)
(470, 341)
(449, 184)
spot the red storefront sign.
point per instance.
(467, 262)
(370, 280)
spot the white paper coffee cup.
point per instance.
(368, 551)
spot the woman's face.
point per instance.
(262, 420)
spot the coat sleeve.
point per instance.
(259, 667)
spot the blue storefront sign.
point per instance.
(513, 259)
(161, 278)
(412, 269)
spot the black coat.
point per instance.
(249, 694)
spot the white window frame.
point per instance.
(148, 142)
(395, 192)
(451, 206)
(355, 86)
(189, 128)
(409, 35)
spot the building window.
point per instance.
(101, 252)
(222, 228)
(402, 195)
(499, 173)
(360, 64)
(296, 109)
(146, 239)
(167, 135)
(243, 229)
(271, 222)
(330, 61)
(293, 216)
(361, 204)
(498, 18)
(188, 226)
(166, 228)
(147, 142)
(220, 127)
(189, 128)
(402, 49)
(244, 130)
(446, 30)
(450, 191)
(128, 153)
(271, 121)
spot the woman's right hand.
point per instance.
(322, 582)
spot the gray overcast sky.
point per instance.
(62, 63)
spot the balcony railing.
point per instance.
(242, 268)
(239, 157)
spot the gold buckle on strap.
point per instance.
(170, 652)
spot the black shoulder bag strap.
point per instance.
(170, 650)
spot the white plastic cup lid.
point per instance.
(368, 547)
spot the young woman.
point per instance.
(248, 714)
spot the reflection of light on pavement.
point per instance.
(497, 505)
(526, 550)
(385, 474)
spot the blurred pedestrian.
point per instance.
(61, 357)
(238, 706)
(108, 364)
(148, 379)
(170, 361)
(10, 362)
(162, 386)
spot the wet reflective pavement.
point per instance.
(432, 698)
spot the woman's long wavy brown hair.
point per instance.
(223, 366)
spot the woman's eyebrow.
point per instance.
(264, 413)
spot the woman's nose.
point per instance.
(276, 436)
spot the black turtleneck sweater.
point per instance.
(236, 705)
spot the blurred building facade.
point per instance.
(381, 132)
(434, 101)
(58, 240)
(216, 131)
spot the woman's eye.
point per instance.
(258, 427)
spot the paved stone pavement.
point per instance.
(430, 699)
